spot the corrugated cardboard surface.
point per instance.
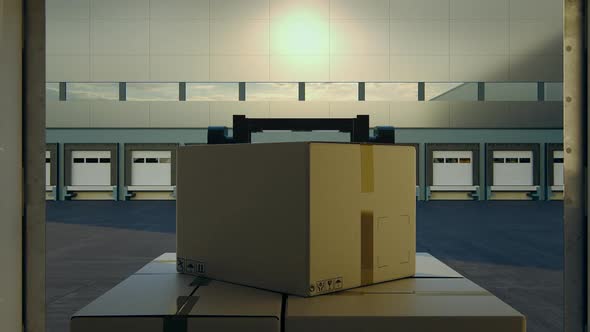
(242, 212)
(350, 311)
(288, 216)
(170, 302)
(179, 303)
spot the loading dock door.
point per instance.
(151, 168)
(452, 168)
(91, 168)
(513, 168)
(47, 168)
(557, 168)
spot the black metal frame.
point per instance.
(243, 128)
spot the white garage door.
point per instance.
(452, 168)
(47, 168)
(91, 168)
(558, 168)
(513, 168)
(151, 168)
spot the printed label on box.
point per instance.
(326, 286)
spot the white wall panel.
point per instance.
(452, 173)
(119, 9)
(69, 114)
(298, 109)
(536, 38)
(479, 37)
(240, 37)
(67, 9)
(359, 68)
(378, 111)
(222, 112)
(288, 8)
(479, 9)
(536, 68)
(479, 68)
(192, 114)
(185, 68)
(420, 37)
(419, 68)
(419, 9)
(116, 114)
(240, 9)
(180, 9)
(300, 36)
(67, 68)
(419, 114)
(119, 37)
(67, 37)
(359, 37)
(299, 68)
(179, 37)
(536, 9)
(117, 68)
(357, 9)
(239, 68)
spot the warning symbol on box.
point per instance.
(338, 283)
(180, 265)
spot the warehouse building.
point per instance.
(476, 85)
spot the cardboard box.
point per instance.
(427, 306)
(297, 218)
(175, 302)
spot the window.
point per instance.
(524, 160)
(272, 91)
(92, 160)
(165, 160)
(92, 91)
(451, 91)
(212, 91)
(554, 91)
(52, 91)
(558, 160)
(391, 91)
(439, 160)
(512, 160)
(498, 160)
(78, 160)
(47, 160)
(138, 161)
(152, 92)
(511, 91)
(105, 160)
(464, 160)
(452, 160)
(151, 160)
(331, 91)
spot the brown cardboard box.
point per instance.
(297, 218)
(175, 302)
(413, 304)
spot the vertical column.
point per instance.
(11, 159)
(481, 91)
(362, 91)
(575, 145)
(301, 91)
(122, 91)
(421, 91)
(242, 91)
(541, 91)
(182, 91)
(63, 91)
(34, 165)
